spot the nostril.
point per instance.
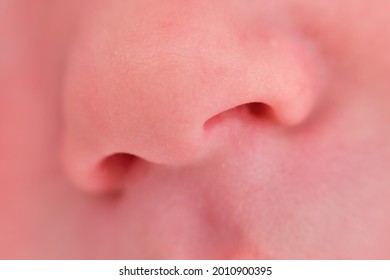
(248, 112)
(259, 110)
(112, 171)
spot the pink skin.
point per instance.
(194, 129)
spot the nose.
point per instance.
(150, 91)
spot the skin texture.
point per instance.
(194, 129)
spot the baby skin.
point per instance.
(224, 129)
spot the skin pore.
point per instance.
(191, 129)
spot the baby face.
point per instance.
(194, 129)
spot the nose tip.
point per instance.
(157, 102)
